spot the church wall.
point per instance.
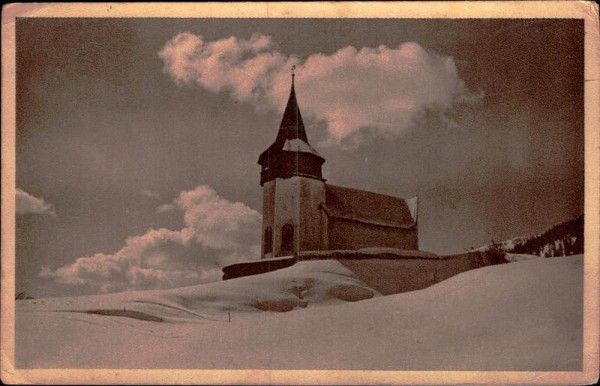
(312, 195)
(345, 234)
(286, 211)
(268, 213)
(295, 201)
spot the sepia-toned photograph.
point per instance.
(300, 193)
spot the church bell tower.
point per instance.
(293, 188)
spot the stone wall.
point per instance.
(256, 267)
(402, 275)
(386, 273)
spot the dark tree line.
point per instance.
(561, 240)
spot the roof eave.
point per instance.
(337, 216)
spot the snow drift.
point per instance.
(519, 316)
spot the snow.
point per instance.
(299, 146)
(506, 245)
(412, 253)
(514, 257)
(314, 283)
(520, 316)
(278, 258)
(413, 204)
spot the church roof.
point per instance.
(368, 207)
(292, 134)
(292, 126)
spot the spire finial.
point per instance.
(293, 73)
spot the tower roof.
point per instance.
(291, 154)
(291, 126)
(291, 135)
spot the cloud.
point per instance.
(383, 90)
(150, 194)
(217, 232)
(28, 204)
(166, 208)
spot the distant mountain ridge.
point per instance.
(564, 239)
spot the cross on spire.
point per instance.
(293, 73)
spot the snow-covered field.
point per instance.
(520, 316)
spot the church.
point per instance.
(302, 212)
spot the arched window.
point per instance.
(268, 240)
(287, 238)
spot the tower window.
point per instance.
(268, 240)
(287, 238)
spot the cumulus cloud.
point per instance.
(166, 208)
(217, 232)
(383, 90)
(26, 203)
(150, 194)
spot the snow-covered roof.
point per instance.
(300, 146)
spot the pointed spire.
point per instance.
(291, 154)
(292, 126)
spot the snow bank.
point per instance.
(521, 316)
(302, 285)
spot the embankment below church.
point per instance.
(386, 270)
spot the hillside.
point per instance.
(519, 316)
(564, 239)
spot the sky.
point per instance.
(137, 139)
